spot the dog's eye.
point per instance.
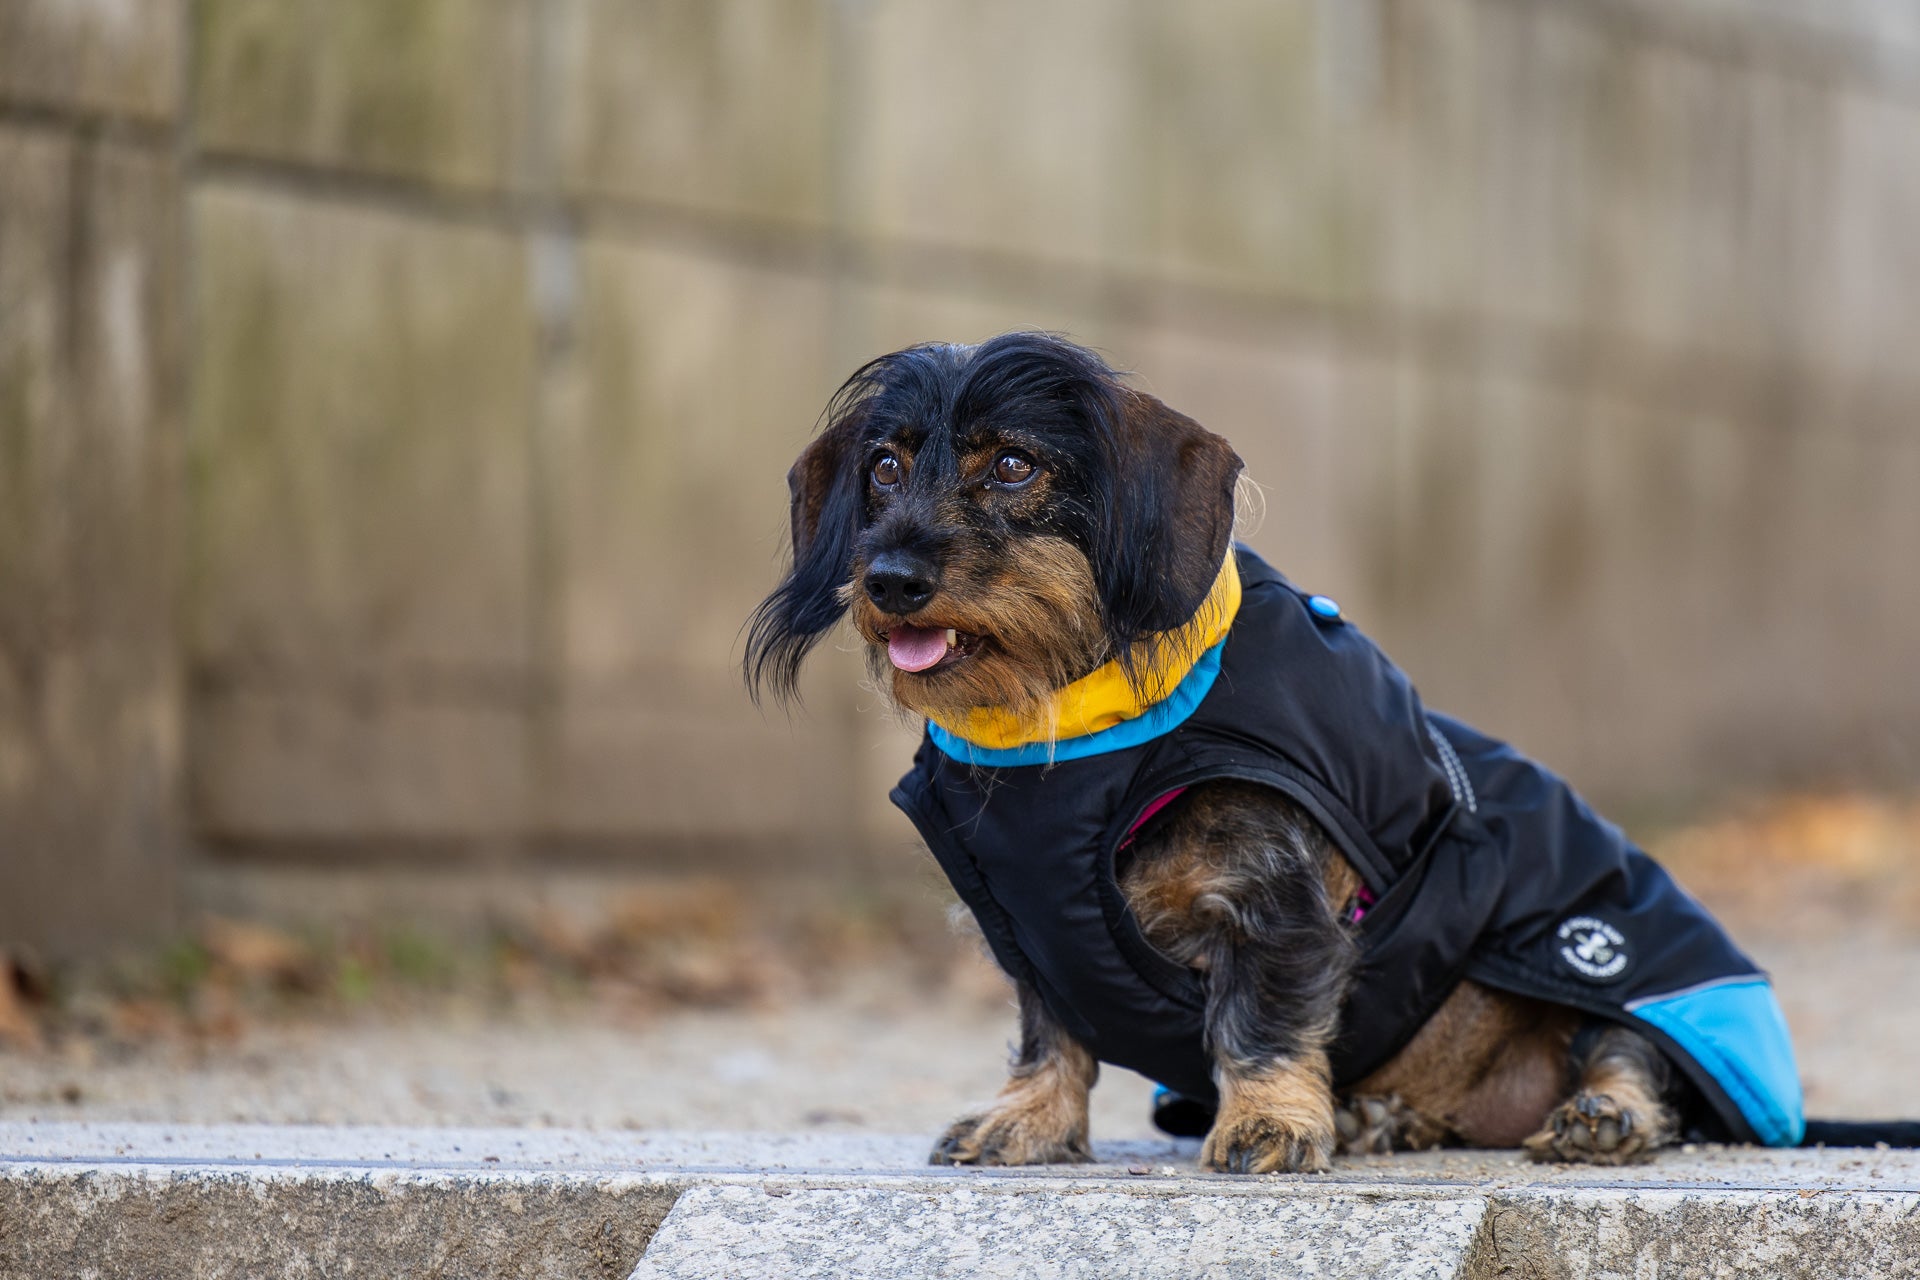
(886, 471)
(1012, 468)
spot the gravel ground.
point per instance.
(1824, 893)
(873, 1055)
(870, 1056)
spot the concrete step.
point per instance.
(997, 1229)
(257, 1201)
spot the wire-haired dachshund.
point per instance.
(1006, 521)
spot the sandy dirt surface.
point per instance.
(872, 1056)
(895, 1044)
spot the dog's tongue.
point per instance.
(916, 648)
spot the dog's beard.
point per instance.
(1034, 606)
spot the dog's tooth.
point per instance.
(953, 637)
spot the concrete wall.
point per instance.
(92, 333)
(398, 396)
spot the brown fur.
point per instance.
(1163, 894)
(1280, 1120)
(1619, 1114)
(1484, 1070)
(1040, 1116)
(1034, 604)
(1232, 883)
(1342, 883)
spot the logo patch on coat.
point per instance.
(1593, 948)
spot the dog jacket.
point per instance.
(1477, 863)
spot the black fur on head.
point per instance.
(1135, 500)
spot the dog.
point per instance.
(1210, 831)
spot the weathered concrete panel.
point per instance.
(695, 372)
(995, 126)
(362, 390)
(1251, 161)
(36, 226)
(35, 398)
(1859, 311)
(717, 107)
(334, 767)
(431, 89)
(697, 382)
(1631, 591)
(1567, 174)
(89, 374)
(1525, 165)
(121, 58)
(361, 531)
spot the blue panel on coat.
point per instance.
(1736, 1031)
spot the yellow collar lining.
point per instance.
(1104, 697)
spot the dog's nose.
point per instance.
(899, 581)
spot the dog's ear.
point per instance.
(825, 501)
(814, 480)
(1169, 522)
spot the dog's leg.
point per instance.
(1242, 885)
(1619, 1113)
(1040, 1116)
(1275, 962)
(1269, 1046)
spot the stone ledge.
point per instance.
(294, 1200)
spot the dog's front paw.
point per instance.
(1011, 1134)
(1261, 1144)
(1596, 1128)
(1282, 1123)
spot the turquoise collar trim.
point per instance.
(1162, 717)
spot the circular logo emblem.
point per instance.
(1593, 948)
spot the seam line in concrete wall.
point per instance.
(441, 684)
(1757, 41)
(1543, 353)
(132, 131)
(501, 210)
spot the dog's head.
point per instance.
(1000, 519)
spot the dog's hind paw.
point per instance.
(1595, 1128)
(1374, 1125)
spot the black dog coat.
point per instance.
(1477, 863)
